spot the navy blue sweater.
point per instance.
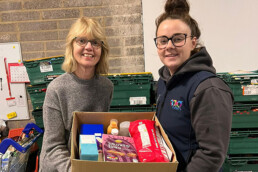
(192, 117)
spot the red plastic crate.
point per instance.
(15, 132)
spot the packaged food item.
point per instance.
(113, 124)
(119, 149)
(145, 139)
(93, 129)
(162, 146)
(88, 148)
(124, 128)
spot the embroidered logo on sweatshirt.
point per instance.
(176, 104)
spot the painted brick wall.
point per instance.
(41, 27)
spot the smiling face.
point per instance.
(173, 57)
(86, 56)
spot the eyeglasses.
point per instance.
(178, 40)
(82, 41)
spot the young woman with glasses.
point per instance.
(193, 105)
(81, 88)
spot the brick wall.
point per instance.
(41, 27)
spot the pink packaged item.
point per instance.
(145, 139)
(119, 148)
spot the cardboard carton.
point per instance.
(104, 118)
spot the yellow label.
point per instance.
(11, 115)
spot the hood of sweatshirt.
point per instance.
(200, 61)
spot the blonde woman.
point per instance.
(81, 88)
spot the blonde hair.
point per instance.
(91, 28)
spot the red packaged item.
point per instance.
(145, 139)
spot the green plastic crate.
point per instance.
(240, 78)
(245, 116)
(243, 164)
(244, 86)
(50, 77)
(242, 96)
(132, 89)
(37, 69)
(243, 142)
(38, 116)
(131, 95)
(132, 109)
(40, 141)
(37, 95)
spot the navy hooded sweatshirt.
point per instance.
(195, 110)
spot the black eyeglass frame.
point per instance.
(155, 39)
(100, 45)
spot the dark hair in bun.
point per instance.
(179, 9)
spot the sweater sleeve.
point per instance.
(55, 154)
(211, 111)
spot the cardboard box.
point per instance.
(104, 118)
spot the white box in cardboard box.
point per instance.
(104, 118)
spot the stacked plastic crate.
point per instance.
(243, 146)
(133, 92)
(39, 71)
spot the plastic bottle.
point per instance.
(114, 132)
(112, 125)
(124, 126)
